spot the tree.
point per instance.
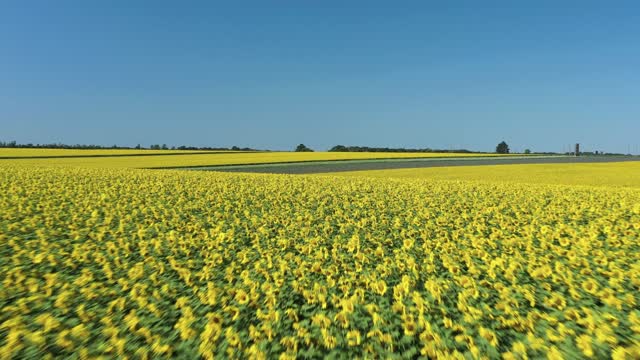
(164, 147)
(502, 148)
(303, 148)
(339, 148)
(527, 151)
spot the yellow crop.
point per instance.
(159, 264)
(220, 159)
(26, 152)
(625, 174)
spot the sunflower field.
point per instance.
(142, 264)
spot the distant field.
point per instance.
(213, 159)
(32, 153)
(621, 174)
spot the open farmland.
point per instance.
(204, 159)
(340, 180)
(147, 263)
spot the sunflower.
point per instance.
(353, 338)
(590, 286)
(242, 297)
(380, 287)
(554, 354)
(409, 325)
(489, 335)
(290, 343)
(583, 342)
(232, 337)
(342, 318)
(329, 341)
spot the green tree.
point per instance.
(527, 151)
(339, 148)
(502, 148)
(303, 148)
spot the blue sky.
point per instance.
(272, 74)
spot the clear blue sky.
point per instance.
(272, 74)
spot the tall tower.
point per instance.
(577, 150)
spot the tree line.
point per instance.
(14, 144)
(501, 148)
(342, 148)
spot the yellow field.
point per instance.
(160, 264)
(16, 152)
(219, 159)
(625, 174)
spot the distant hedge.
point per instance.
(13, 144)
(342, 148)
